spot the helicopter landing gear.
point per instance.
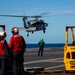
(44, 31)
(28, 34)
(32, 32)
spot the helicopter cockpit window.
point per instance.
(32, 22)
(37, 23)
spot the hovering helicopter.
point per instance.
(32, 25)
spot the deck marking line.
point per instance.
(44, 60)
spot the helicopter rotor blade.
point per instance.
(16, 16)
(45, 13)
(22, 16)
(58, 14)
(11, 15)
(37, 16)
(34, 16)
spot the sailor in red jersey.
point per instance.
(17, 45)
(4, 53)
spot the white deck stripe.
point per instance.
(44, 60)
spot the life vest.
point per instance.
(2, 47)
(41, 43)
(17, 43)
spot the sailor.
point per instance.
(17, 45)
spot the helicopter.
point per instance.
(32, 25)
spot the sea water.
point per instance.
(46, 45)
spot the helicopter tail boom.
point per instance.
(30, 29)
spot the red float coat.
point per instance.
(2, 47)
(17, 43)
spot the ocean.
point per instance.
(46, 45)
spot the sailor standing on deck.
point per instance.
(4, 53)
(41, 44)
(17, 45)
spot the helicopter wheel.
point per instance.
(28, 34)
(32, 31)
(44, 31)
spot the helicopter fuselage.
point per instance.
(39, 24)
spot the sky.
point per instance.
(58, 18)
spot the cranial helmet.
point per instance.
(41, 39)
(3, 34)
(15, 30)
